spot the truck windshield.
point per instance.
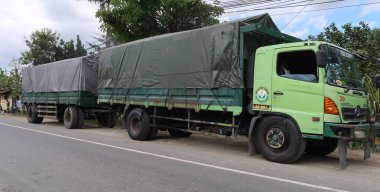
(342, 69)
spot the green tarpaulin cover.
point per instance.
(76, 74)
(201, 58)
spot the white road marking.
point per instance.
(184, 160)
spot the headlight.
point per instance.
(360, 134)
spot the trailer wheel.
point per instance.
(153, 133)
(176, 133)
(80, 119)
(278, 139)
(106, 120)
(321, 147)
(70, 117)
(137, 125)
(32, 114)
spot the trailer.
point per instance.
(65, 90)
(233, 79)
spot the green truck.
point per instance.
(239, 78)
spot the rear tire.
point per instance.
(321, 147)
(32, 115)
(279, 140)
(153, 133)
(176, 133)
(137, 125)
(70, 118)
(106, 120)
(81, 116)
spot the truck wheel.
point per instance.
(70, 117)
(80, 119)
(106, 120)
(39, 120)
(153, 133)
(321, 147)
(32, 114)
(279, 140)
(137, 125)
(176, 133)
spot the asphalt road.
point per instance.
(48, 157)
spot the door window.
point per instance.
(298, 65)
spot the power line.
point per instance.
(316, 10)
(240, 3)
(268, 5)
(296, 15)
(283, 6)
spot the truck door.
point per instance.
(296, 89)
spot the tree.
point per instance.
(11, 82)
(130, 20)
(79, 47)
(42, 46)
(14, 82)
(45, 46)
(360, 39)
(3, 81)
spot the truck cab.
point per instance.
(318, 87)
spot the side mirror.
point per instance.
(376, 81)
(321, 58)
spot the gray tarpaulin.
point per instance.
(77, 74)
(201, 58)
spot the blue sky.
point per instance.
(19, 18)
(312, 23)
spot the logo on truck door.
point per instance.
(262, 94)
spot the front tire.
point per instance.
(32, 115)
(137, 125)
(279, 140)
(70, 118)
(321, 147)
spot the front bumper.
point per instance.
(366, 133)
(352, 132)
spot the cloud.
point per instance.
(19, 18)
(367, 10)
(303, 26)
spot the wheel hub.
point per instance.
(135, 125)
(275, 138)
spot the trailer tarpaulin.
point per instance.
(201, 58)
(77, 74)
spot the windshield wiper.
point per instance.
(352, 84)
(348, 88)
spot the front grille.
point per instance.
(350, 114)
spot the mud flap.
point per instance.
(342, 147)
(251, 144)
(367, 149)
